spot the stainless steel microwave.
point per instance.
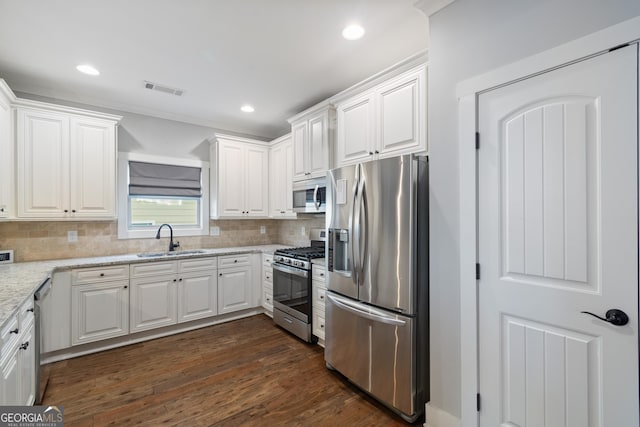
(310, 196)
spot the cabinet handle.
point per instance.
(175, 280)
(125, 286)
(101, 274)
(371, 153)
(220, 274)
(235, 260)
(180, 279)
(66, 210)
(1, 209)
(24, 346)
(321, 296)
(321, 274)
(15, 331)
(321, 326)
(377, 152)
(73, 210)
(29, 310)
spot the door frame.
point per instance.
(468, 92)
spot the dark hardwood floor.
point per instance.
(246, 372)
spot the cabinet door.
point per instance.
(27, 355)
(276, 181)
(257, 181)
(355, 130)
(43, 164)
(300, 151)
(153, 303)
(232, 175)
(6, 159)
(99, 311)
(234, 289)
(318, 145)
(402, 114)
(197, 296)
(93, 168)
(11, 379)
(288, 179)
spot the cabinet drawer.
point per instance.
(267, 274)
(234, 260)
(267, 299)
(318, 324)
(267, 259)
(318, 272)
(91, 275)
(319, 294)
(25, 314)
(9, 335)
(197, 264)
(154, 269)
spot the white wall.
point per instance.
(467, 38)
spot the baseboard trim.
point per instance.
(436, 417)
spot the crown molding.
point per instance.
(429, 7)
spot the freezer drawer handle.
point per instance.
(369, 314)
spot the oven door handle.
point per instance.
(294, 271)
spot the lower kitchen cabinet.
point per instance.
(17, 368)
(197, 296)
(318, 287)
(100, 311)
(153, 303)
(234, 289)
(267, 284)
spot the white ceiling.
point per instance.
(281, 56)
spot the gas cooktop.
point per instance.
(304, 253)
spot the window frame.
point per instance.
(124, 230)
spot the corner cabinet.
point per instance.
(7, 159)
(66, 163)
(312, 142)
(281, 178)
(239, 178)
(385, 121)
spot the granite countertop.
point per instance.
(18, 281)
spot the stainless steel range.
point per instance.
(292, 286)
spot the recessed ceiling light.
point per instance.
(247, 109)
(353, 32)
(88, 69)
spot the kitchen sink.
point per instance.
(174, 253)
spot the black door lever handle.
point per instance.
(613, 316)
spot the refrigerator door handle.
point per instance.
(365, 311)
(354, 227)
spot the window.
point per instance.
(154, 192)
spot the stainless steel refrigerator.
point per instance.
(377, 316)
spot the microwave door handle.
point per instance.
(316, 202)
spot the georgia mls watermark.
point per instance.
(31, 416)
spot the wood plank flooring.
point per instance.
(246, 372)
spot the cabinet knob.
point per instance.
(101, 274)
(180, 279)
(66, 210)
(321, 326)
(220, 274)
(24, 346)
(73, 210)
(377, 152)
(125, 286)
(321, 274)
(321, 296)
(235, 260)
(1, 209)
(371, 153)
(15, 331)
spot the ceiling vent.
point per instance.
(162, 88)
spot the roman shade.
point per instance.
(154, 179)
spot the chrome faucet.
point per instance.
(172, 245)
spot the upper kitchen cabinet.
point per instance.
(239, 178)
(66, 163)
(386, 120)
(312, 142)
(7, 196)
(281, 178)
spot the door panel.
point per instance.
(558, 234)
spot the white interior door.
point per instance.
(558, 235)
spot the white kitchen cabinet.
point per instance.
(385, 121)
(235, 283)
(153, 302)
(7, 159)
(319, 290)
(239, 178)
(66, 164)
(267, 284)
(281, 178)
(99, 311)
(168, 292)
(312, 142)
(17, 358)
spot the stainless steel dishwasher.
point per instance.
(42, 372)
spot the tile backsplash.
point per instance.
(35, 240)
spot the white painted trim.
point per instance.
(6, 91)
(244, 140)
(37, 105)
(280, 139)
(436, 417)
(468, 91)
(429, 7)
